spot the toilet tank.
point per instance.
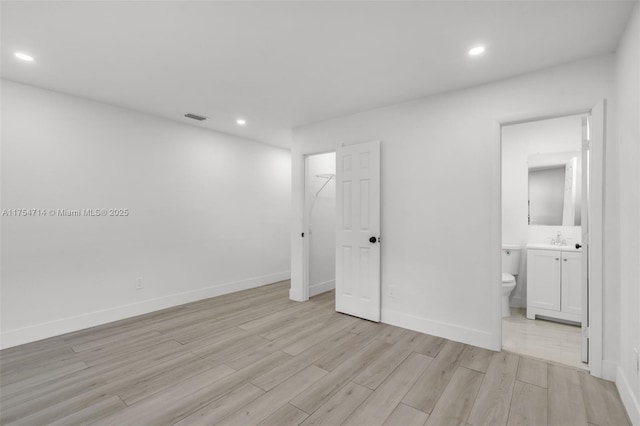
(511, 258)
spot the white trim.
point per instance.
(496, 241)
(596, 234)
(470, 336)
(294, 295)
(596, 243)
(306, 240)
(518, 302)
(629, 400)
(301, 290)
(316, 289)
(532, 311)
(90, 319)
(298, 287)
(609, 370)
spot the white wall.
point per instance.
(440, 183)
(209, 213)
(628, 158)
(322, 234)
(519, 142)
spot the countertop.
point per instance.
(542, 246)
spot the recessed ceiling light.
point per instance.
(241, 121)
(24, 56)
(478, 50)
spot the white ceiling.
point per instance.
(284, 64)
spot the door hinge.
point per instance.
(586, 332)
(586, 145)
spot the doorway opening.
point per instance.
(320, 223)
(341, 229)
(545, 221)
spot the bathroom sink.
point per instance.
(543, 246)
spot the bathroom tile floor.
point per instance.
(548, 340)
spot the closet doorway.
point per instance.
(320, 223)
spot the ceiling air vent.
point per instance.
(195, 117)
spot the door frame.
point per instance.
(299, 290)
(595, 252)
(306, 249)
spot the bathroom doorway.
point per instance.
(547, 178)
(320, 223)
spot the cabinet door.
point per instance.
(543, 279)
(571, 282)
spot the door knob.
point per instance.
(578, 245)
(373, 240)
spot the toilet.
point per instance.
(510, 267)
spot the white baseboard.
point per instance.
(454, 332)
(295, 295)
(518, 302)
(65, 325)
(609, 370)
(629, 400)
(321, 287)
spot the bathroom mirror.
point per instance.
(555, 189)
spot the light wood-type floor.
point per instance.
(255, 357)
(543, 339)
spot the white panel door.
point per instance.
(571, 282)
(543, 279)
(358, 230)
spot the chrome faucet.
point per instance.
(558, 240)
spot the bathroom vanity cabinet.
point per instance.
(554, 284)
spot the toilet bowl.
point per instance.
(510, 268)
(508, 284)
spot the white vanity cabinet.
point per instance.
(554, 284)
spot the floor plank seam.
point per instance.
(359, 405)
(513, 385)
(121, 400)
(122, 361)
(531, 384)
(389, 374)
(302, 409)
(475, 399)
